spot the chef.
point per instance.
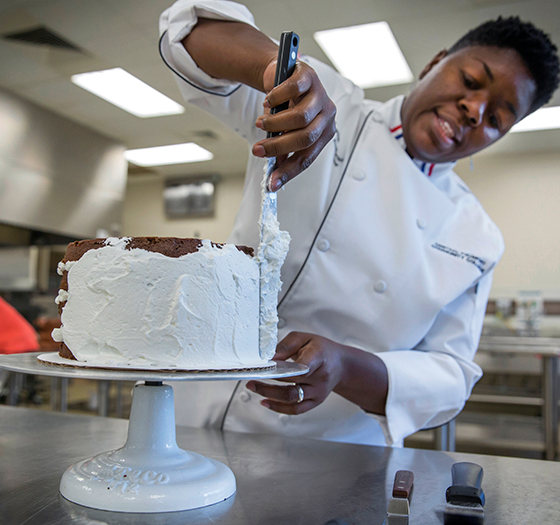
(391, 259)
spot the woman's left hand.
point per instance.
(321, 355)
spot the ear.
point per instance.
(440, 56)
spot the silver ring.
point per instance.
(300, 393)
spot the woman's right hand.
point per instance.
(306, 126)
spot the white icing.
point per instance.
(64, 267)
(135, 307)
(271, 254)
(61, 297)
(56, 335)
(120, 242)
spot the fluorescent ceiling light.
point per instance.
(544, 118)
(163, 155)
(366, 54)
(127, 92)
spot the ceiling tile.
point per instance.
(124, 33)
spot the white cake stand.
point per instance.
(150, 473)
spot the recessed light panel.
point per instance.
(544, 118)
(163, 155)
(127, 92)
(367, 54)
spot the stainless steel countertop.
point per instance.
(280, 481)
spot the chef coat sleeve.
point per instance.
(430, 384)
(236, 105)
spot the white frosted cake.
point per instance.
(157, 302)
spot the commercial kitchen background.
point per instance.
(62, 171)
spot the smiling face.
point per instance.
(465, 101)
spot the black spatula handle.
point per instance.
(287, 56)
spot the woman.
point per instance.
(391, 260)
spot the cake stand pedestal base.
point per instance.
(150, 473)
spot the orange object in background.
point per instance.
(16, 334)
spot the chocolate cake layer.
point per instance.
(169, 246)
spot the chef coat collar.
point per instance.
(391, 113)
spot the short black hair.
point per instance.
(533, 45)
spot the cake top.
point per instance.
(169, 246)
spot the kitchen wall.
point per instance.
(56, 175)
(144, 211)
(520, 191)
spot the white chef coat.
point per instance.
(388, 254)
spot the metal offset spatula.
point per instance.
(287, 55)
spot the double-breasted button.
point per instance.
(359, 175)
(421, 223)
(380, 286)
(323, 245)
(245, 397)
(281, 322)
(377, 117)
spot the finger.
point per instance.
(309, 354)
(281, 393)
(322, 127)
(295, 165)
(280, 159)
(299, 116)
(291, 345)
(293, 87)
(289, 408)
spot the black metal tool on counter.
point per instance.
(398, 511)
(465, 497)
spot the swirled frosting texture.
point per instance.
(139, 308)
(271, 253)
